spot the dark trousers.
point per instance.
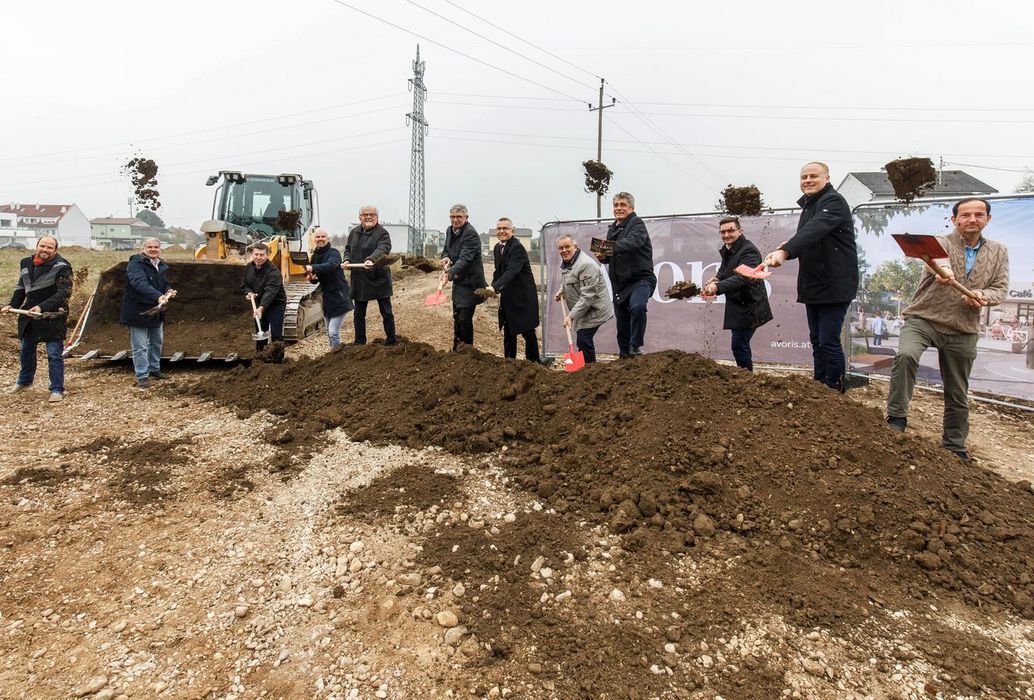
(462, 326)
(630, 315)
(273, 321)
(824, 324)
(741, 347)
(387, 316)
(531, 345)
(55, 363)
(583, 339)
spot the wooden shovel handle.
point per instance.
(563, 306)
(951, 280)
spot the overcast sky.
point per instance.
(708, 94)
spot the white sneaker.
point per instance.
(20, 387)
(56, 396)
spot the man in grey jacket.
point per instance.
(584, 289)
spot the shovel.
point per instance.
(574, 360)
(37, 314)
(261, 335)
(378, 262)
(438, 297)
(155, 310)
(755, 273)
(927, 248)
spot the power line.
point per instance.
(455, 51)
(497, 44)
(663, 157)
(990, 167)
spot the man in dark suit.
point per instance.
(518, 297)
(462, 265)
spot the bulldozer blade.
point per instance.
(92, 354)
(232, 357)
(177, 356)
(205, 356)
(120, 355)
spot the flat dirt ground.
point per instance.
(403, 522)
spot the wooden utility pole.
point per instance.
(599, 141)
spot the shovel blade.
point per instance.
(265, 335)
(755, 273)
(573, 361)
(435, 299)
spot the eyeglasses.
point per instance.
(728, 230)
(367, 216)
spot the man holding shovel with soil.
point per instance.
(827, 280)
(44, 287)
(462, 265)
(629, 260)
(939, 316)
(146, 289)
(514, 281)
(264, 286)
(325, 268)
(584, 294)
(367, 242)
(746, 301)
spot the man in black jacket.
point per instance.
(746, 301)
(325, 267)
(828, 277)
(44, 286)
(462, 265)
(264, 283)
(367, 241)
(513, 279)
(630, 268)
(146, 287)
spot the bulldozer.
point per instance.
(209, 320)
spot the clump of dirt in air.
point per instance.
(143, 176)
(741, 201)
(911, 177)
(287, 220)
(682, 290)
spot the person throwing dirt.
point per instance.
(462, 265)
(514, 281)
(630, 268)
(828, 277)
(746, 301)
(325, 268)
(44, 286)
(367, 241)
(264, 283)
(146, 289)
(584, 290)
(940, 317)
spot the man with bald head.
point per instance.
(44, 285)
(827, 279)
(325, 268)
(367, 242)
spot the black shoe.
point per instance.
(634, 351)
(141, 383)
(624, 356)
(897, 423)
(961, 454)
(159, 375)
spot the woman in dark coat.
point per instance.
(518, 297)
(367, 241)
(461, 260)
(746, 301)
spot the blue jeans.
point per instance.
(55, 363)
(583, 339)
(630, 315)
(147, 350)
(824, 324)
(334, 329)
(273, 321)
(741, 347)
(387, 316)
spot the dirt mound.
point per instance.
(140, 472)
(209, 312)
(410, 488)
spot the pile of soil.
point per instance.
(741, 201)
(485, 293)
(139, 473)
(827, 514)
(209, 312)
(422, 264)
(682, 290)
(910, 177)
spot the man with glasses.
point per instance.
(513, 279)
(367, 241)
(746, 301)
(462, 265)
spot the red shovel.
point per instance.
(438, 297)
(754, 273)
(574, 360)
(928, 249)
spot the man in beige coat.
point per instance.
(942, 318)
(584, 289)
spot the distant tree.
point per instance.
(1026, 183)
(896, 278)
(150, 218)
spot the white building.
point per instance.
(11, 235)
(65, 222)
(859, 188)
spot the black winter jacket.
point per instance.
(825, 245)
(515, 282)
(267, 284)
(326, 263)
(144, 284)
(467, 271)
(48, 286)
(632, 257)
(361, 246)
(746, 301)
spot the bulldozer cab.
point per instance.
(257, 202)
